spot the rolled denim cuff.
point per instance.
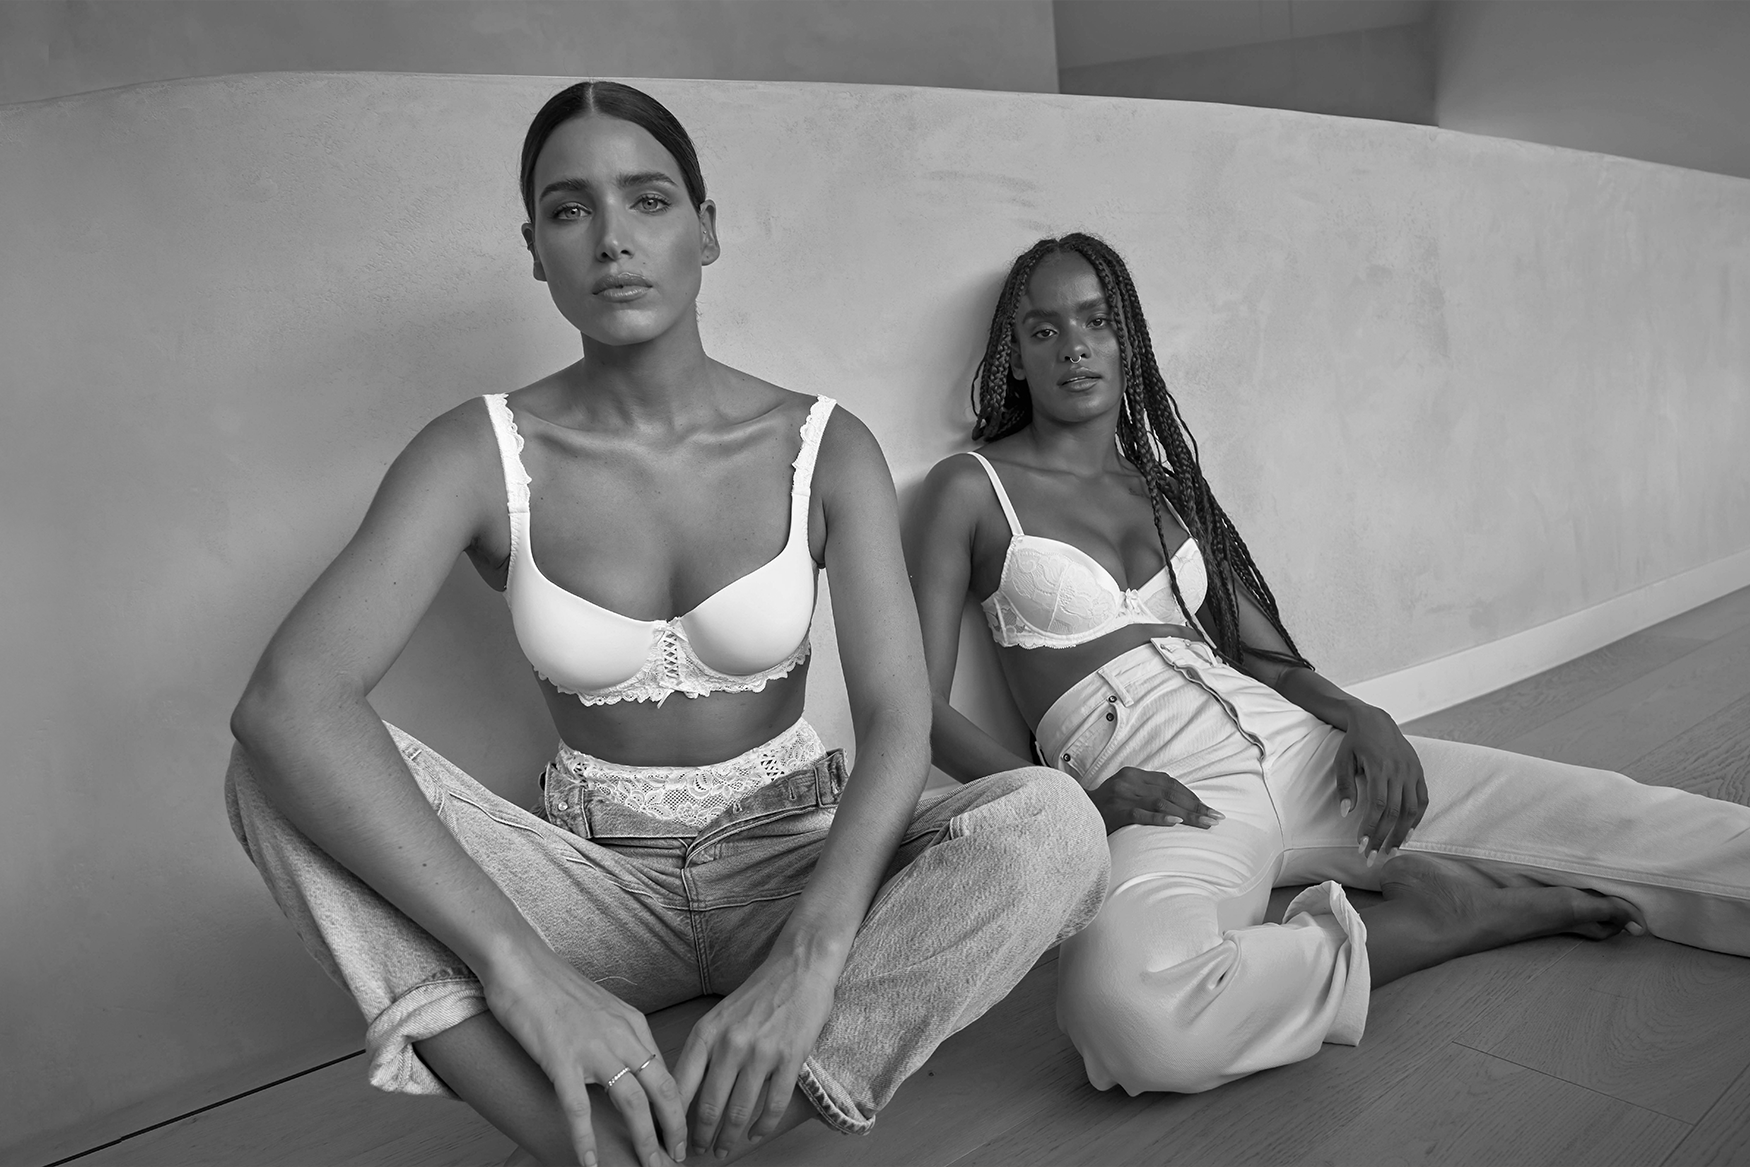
(1324, 906)
(423, 1011)
(832, 1100)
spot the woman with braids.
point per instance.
(656, 521)
(1142, 644)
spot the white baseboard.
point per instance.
(1439, 684)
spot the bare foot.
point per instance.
(1515, 912)
(1437, 909)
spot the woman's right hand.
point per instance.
(1150, 798)
(579, 1034)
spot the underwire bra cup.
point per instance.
(1054, 594)
(751, 631)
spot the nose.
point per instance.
(1075, 347)
(612, 243)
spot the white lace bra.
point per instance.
(1053, 594)
(750, 631)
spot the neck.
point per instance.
(661, 381)
(1085, 447)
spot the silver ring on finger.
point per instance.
(644, 1063)
(609, 1084)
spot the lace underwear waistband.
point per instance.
(688, 794)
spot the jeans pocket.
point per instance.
(1088, 748)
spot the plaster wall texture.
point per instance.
(1450, 388)
(50, 48)
(1649, 79)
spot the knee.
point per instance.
(1052, 832)
(1132, 1038)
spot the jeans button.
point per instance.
(1111, 716)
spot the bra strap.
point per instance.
(516, 479)
(1002, 495)
(802, 469)
(510, 445)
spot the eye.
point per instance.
(1044, 332)
(569, 211)
(651, 202)
(1098, 322)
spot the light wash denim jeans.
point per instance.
(988, 876)
(1181, 985)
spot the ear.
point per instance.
(529, 242)
(1015, 370)
(709, 249)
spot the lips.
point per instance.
(1079, 376)
(623, 285)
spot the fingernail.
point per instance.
(1174, 820)
(722, 1153)
(1371, 858)
(1634, 929)
(589, 1159)
(1361, 849)
(755, 1138)
(1347, 805)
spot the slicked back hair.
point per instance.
(614, 100)
(1152, 436)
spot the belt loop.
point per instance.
(829, 778)
(1117, 685)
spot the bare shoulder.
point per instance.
(453, 462)
(959, 484)
(458, 442)
(846, 436)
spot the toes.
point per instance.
(1600, 917)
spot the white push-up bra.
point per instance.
(1053, 594)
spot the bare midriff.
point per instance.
(681, 731)
(1037, 677)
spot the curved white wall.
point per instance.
(1451, 389)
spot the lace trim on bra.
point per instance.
(675, 668)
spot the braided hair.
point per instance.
(1152, 436)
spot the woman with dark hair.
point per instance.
(656, 521)
(1143, 646)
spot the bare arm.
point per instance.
(326, 760)
(1376, 768)
(743, 1057)
(884, 671)
(323, 755)
(939, 554)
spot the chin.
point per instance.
(621, 327)
(1086, 408)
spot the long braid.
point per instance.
(1152, 436)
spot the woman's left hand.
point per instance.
(1379, 774)
(741, 1061)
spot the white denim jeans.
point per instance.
(1180, 985)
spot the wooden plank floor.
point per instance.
(1559, 1051)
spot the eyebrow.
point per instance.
(1085, 305)
(621, 181)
